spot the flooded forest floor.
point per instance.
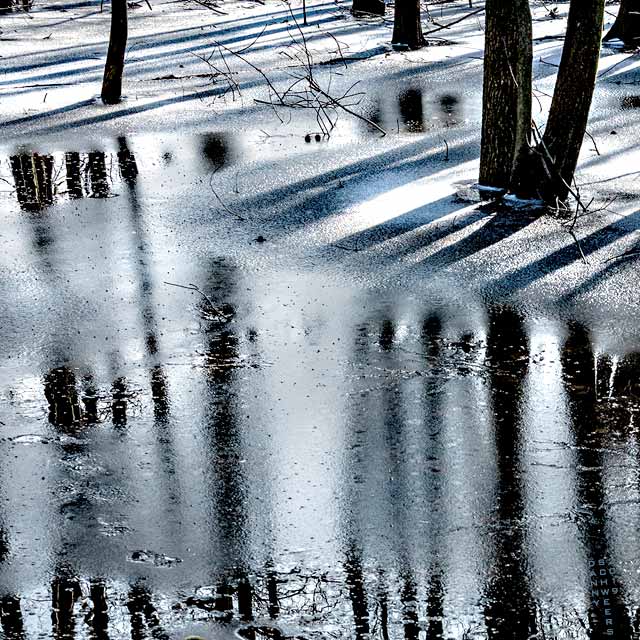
(257, 381)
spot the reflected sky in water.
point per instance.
(284, 456)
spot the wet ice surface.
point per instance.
(388, 410)
(288, 452)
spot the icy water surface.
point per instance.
(283, 453)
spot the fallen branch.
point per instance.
(213, 8)
(451, 24)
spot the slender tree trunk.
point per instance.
(375, 7)
(506, 111)
(627, 24)
(407, 29)
(556, 157)
(112, 81)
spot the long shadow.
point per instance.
(500, 227)
(406, 73)
(127, 111)
(552, 262)
(68, 6)
(112, 115)
(623, 265)
(132, 70)
(325, 189)
(49, 25)
(154, 55)
(54, 112)
(411, 221)
(165, 38)
(210, 93)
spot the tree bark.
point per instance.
(112, 81)
(407, 28)
(506, 110)
(627, 24)
(375, 7)
(557, 154)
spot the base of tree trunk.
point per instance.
(403, 46)
(407, 26)
(627, 25)
(374, 7)
(534, 178)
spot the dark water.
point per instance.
(285, 455)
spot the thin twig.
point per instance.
(625, 255)
(193, 287)
(595, 146)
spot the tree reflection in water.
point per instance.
(422, 402)
(592, 422)
(510, 610)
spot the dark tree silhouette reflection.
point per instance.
(62, 397)
(590, 426)
(11, 620)
(411, 110)
(33, 177)
(100, 613)
(216, 150)
(510, 610)
(99, 182)
(65, 592)
(143, 615)
(354, 578)
(119, 402)
(73, 168)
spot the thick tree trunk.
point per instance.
(407, 29)
(506, 111)
(112, 81)
(375, 7)
(557, 154)
(627, 24)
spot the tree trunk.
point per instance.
(375, 7)
(112, 81)
(407, 29)
(506, 109)
(557, 154)
(627, 24)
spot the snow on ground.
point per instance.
(377, 210)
